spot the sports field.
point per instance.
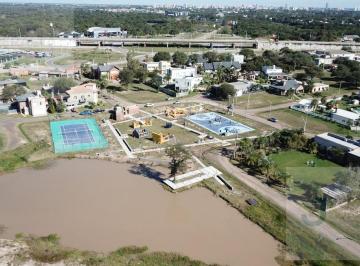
(77, 135)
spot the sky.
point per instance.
(294, 3)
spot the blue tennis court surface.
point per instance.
(219, 124)
(77, 135)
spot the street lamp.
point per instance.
(52, 27)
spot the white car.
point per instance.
(149, 105)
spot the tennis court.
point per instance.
(77, 135)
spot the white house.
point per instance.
(271, 70)
(162, 66)
(238, 58)
(187, 84)
(330, 140)
(32, 104)
(319, 87)
(326, 61)
(344, 117)
(304, 105)
(242, 87)
(82, 94)
(179, 73)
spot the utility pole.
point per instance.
(305, 122)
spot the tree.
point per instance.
(211, 56)
(10, 92)
(223, 92)
(60, 107)
(51, 106)
(162, 56)
(313, 71)
(132, 63)
(248, 53)
(63, 84)
(314, 103)
(350, 178)
(126, 76)
(245, 148)
(102, 83)
(141, 74)
(85, 70)
(178, 158)
(220, 75)
(180, 58)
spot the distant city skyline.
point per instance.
(277, 3)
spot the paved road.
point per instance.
(293, 209)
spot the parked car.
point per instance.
(149, 105)
(177, 102)
(86, 112)
(273, 119)
(99, 111)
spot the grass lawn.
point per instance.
(347, 219)
(181, 135)
(259, 100)
(141, 93)
(21, 156)
(294, 163)
(98, 56)
(314, 125)
(2, 141)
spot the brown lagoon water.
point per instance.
(98, 205)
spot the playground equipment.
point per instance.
(160, 138)
(175, 112)
(142, 123)
(120, 112)
(140, 133)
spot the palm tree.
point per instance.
(314, 104)
(220, 75)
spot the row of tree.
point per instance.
(347, 70)
(254, 154)
(286, 58)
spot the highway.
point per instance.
(210, 42)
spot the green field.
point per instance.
(304, 176)
(181, 135)
(314, 125)
(259, 100)
(141, 93)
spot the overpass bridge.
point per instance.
(261, 44)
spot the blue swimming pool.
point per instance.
(219, 124)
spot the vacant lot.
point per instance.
(141, 93)
(260, 99)
(295, 163)
(98, 56)
(180, 135)
(314, 125)
(347, 219)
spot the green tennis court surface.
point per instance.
(77, 135)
